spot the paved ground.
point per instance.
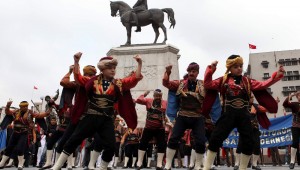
(267, 167)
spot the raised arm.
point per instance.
(42, 114)
(132, 80)
(287, 102)
(171, 85)
(81, 80)
(7, 110)
(65, 81)
(209, 83)
(142, 99)
(260, 85)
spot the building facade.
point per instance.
(262, 65)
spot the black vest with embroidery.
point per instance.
(102, 103)
(21, 124)
(155, 117)
(191, 100)
(236, 97)
(132, 139)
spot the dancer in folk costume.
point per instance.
(295, 107)
(130, 142)
(236, 90)
(118, 136)
(256, 112)
(64, 110)
(191, 95)
(103, 93)
(80, 104)
(23, 122)
(154, 127)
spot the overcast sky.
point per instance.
(39, 37)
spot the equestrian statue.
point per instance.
(140, 16)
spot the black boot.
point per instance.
(136, 21)
(139, 167)
(292, 165)
(159, 168)
(46, 167)
(138, 29)
(256, 167)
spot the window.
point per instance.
(292, 88)
(265, 64)
(296, 75)
(290, 76)
(294, 61)
(288, 62)
(269, 90)
(285, 79)
(285, 88)
(266, 76)
(297, 88)
(281, 61)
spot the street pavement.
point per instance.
(267, 167)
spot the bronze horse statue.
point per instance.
(151, 16)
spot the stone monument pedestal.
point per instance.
(155, 58)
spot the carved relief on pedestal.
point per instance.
(149, 72)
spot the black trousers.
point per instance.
(295, 135)
(198, 131)
(233, 118)
(181, 149)
(96, 144)
(17, 141)
(256, 144)
(53, 139)
(187, 150)
(87, 127)
(150, 149)
(67, 134)
(131, 150)
(117, 148)
(148, 135)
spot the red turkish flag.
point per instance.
(251, 46)
(35, 88)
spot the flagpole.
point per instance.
(249, 49)
(32, 94)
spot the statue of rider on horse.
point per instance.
(140, 16)
(139, 6)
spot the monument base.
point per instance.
(155, 58)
